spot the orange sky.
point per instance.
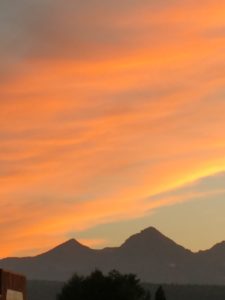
(104, 106)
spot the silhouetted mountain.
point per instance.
(70, 249)
(149, 254)
(152, 241)
(153, 256)
(210, 265)
(217, 250)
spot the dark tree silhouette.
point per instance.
(160, 294)
(104, 287)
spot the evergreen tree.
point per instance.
(160, 294)
(100, 287)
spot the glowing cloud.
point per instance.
(102, 106)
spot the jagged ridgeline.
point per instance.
(149, 254)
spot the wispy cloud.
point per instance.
(103, 105)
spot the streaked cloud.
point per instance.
(102, 106)
(193, 216)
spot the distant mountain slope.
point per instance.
(154, 256)
(149, 254)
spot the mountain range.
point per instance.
(152, 256)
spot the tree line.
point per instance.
(113, 286)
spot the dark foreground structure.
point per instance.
(12, 286)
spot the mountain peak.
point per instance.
(150, 234)
(151, 230)
(71, 242)
(70, 247)
(150, 240)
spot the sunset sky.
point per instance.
(112, 119)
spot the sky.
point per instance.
(112, 119)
